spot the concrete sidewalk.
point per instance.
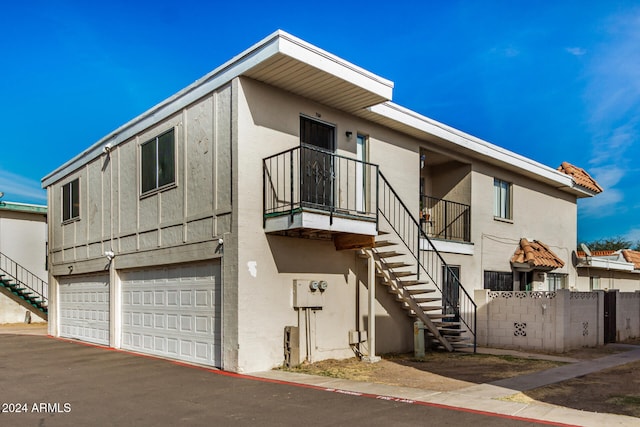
(491, 397)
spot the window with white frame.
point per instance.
(71, 200)
(556, 281)
(594, 283)
(158, 162)
(502, 199)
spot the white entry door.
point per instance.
(174, 312)
(84, 308)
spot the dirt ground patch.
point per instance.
(615, 390)
(437, 371)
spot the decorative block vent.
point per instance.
(520, 329)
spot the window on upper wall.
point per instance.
(498, 280)
(594, 283)
(71, 200)
(158, 162)
(502, 199)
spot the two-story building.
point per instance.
(282, 208)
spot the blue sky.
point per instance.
(551, 80)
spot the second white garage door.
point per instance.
(173, 312)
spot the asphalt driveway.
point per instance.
(51, 382)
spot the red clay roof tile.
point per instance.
(607, 252)
(580, 177)
(536, 254)
(632, 256)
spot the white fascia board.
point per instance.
(325, 61)
(472, 143)
(606, 264)
(277, 42)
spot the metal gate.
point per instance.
(609, 317)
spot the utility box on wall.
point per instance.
(308, 293)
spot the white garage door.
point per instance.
(173, 312)
(84, 308)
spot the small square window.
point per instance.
(502, 199)
(71, 200)
(158, 162)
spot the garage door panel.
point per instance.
(84, 308)
(173, 312)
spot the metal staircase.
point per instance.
(23, 286)
(411, 267)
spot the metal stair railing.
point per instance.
(24, 277)
(429, 261)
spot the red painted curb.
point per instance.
(217, 371)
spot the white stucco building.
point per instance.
(23, 251)
(283, 198)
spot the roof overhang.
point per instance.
(605, 264)
(281, 60)
(23, 207)
(422, 127)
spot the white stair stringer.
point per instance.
(393, 280)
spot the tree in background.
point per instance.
(612, 244)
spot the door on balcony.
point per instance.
(317, 140)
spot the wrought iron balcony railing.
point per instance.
(308, 178)
(444, 219)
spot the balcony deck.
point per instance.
(315, 194)
(318, 224)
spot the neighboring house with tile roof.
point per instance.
(581, 177)
(284, 197)
(605, 270)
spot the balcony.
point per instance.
(445, 220)
(312, 193)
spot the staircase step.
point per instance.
(419, 291)
(383, 243)
(451, 331)
(445, 324)
(401, 274)
(398, 264)
(411, 292)
(388, 254)
(435, 316)
(430, 308)
(409, 282)
(420, 300)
